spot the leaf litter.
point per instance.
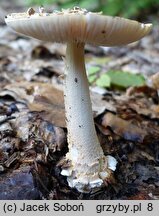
(32, 121)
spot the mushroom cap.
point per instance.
(78, 26)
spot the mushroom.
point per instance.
(88, 167)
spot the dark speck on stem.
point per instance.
(103, 32)
(76, 80)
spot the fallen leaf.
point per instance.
(93, 70)
(153, 81)
(125, 79)
(54, 137)
(99, 104)
(39, 97)
(123, 128)
(38, 66)
(103, 81)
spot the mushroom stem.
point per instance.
(88, 163)
(82, 137)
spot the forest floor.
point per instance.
(32, 120)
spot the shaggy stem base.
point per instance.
(89, 167)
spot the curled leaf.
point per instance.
(123, 128)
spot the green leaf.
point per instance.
(88, 4)
(103, 81)
(92, 73)
(93, 70)
(125, 79)
(92, 78)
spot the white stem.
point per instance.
(85, 153)
(80, 125)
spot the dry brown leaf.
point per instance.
(123, 128)
(99, 105)
(39, 97)
(153, 81)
